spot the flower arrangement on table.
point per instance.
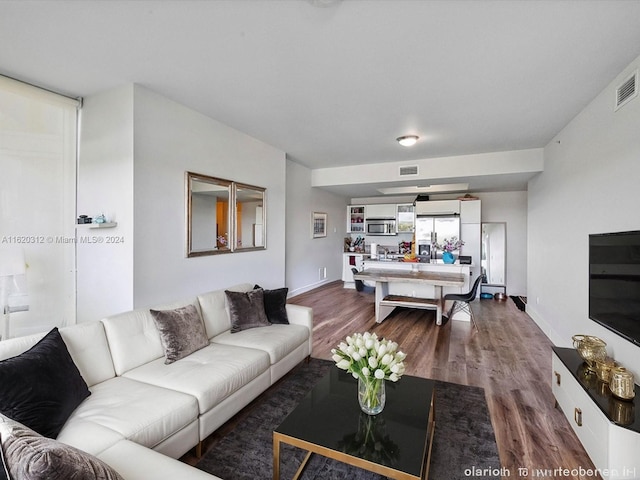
(371, 361)
(450, 245)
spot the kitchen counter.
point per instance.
(387, 278)
(413, 289)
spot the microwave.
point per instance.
(381, 226)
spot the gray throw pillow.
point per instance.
(30, 456)
(246, 310)
(181, 332)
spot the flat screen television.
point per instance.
(614, 282)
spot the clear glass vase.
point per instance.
(371, 395)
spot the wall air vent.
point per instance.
(627, 91)
(408, 170)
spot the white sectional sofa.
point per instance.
(143, 414)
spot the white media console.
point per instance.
(608, 428)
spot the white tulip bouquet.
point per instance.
(370, 360)
(365, 356)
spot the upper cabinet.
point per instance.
(355, 219)
(470, 211)
(405, 218)
(438, 207)
(384, 210)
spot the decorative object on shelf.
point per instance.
(603, 369)
(371, 361)
(590, 349)
(621, 383)
(467, 197)
(100, 219)
(448, 246)
(448, 257)
(319, 224)
(83, 219)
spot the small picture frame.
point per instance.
(319, 225)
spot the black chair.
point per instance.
(360, 286)
(461, 301)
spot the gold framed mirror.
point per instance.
(223, 216)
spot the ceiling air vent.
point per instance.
(627, 91)
(409, 170)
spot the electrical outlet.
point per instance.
(322, 273)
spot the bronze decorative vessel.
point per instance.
(590, 349)
(621, 383)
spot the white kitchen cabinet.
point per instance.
(470, 234)
(355, 219)
(383, 210)
(438, 207)
(608, 428)
(470, 211)
(349, 261)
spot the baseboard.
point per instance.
(545, 326)
(306, 288)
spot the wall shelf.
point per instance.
(98, 225)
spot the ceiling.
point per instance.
(333, 83)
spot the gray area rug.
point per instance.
(464, 444)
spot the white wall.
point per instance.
(169, 140)
(105, 185)
(136, 148)
(510, 207)
(589, 185)
(306, 255)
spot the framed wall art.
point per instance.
(319, 224)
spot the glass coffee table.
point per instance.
(328, 421)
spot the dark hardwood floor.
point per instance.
(508, 356)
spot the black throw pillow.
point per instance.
(42, 386)
(275, 302)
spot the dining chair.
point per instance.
(461, 301)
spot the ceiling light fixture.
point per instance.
(407, 140)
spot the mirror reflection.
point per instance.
(208, 215)
(223, 216)
(494, 253)
(249, 203)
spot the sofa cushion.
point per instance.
(138, 411)
(134, 461)
(181, 332)
(30, 456)
(278, 340)
(246, 310)
(215, 311)
(87, 345)
(42, 386)
(211, 374)
(275, 302)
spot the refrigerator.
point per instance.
(431, 230)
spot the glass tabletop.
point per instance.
(398, 438)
